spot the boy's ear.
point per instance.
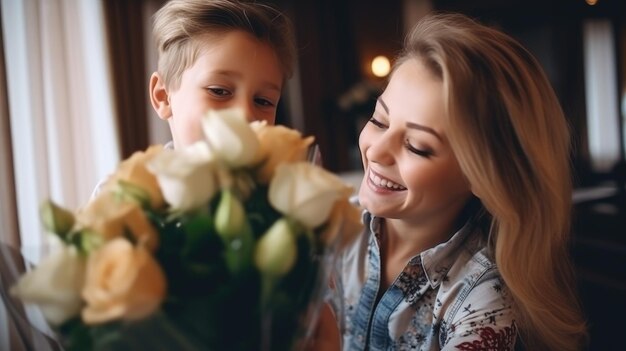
(159, 97)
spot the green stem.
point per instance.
(267, 288)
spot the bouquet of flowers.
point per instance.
(222, 245)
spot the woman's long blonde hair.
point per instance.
(508, 132)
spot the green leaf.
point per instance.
(85, 240)
(125, 191)
(56, 219)
(75, 335)
(197, 231)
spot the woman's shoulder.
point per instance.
(476, 304)
(473, 277)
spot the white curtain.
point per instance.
(601, 94)
(61, 110)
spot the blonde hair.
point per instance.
(179, 23)
(509, 134)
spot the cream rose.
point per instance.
(111, 217)
(305, 192)
(122, 282)
(230, 136)
(133, 170)
(279, 144)
(55, 285)
(187, 177)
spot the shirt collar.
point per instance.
(436, 261)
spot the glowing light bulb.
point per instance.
(591, 2)
(381, 66)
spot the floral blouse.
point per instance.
(450, 297)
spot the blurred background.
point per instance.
(73, 103)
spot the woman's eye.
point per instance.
(377, 123)
(219, 92)
(427, 153)
(263, 102)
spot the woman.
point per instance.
(467, 195)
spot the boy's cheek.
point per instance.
(185, 132)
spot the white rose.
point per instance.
(230, 136)
(55, 285)
(305, 192)
(187, 176)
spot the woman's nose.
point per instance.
(382, 150)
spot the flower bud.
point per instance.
(230, 217)
(232, 225)
(56, 219)
(276, 251)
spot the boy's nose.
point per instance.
(248, 110)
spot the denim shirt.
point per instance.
(449, 297)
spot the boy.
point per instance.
(215, 54)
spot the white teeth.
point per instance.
(385, 182)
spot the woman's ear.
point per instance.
(159, 97)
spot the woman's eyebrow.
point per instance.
(383, 104)
(423, 128)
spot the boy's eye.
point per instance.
(263, 102)
(220, 92)
(427, 153)
(377, 123)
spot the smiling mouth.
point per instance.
(384, 183)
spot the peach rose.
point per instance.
(122, 282)
(344, 224)
(279, 144)
(133, 170)
(111, 217)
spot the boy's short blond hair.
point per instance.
(179, 23)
